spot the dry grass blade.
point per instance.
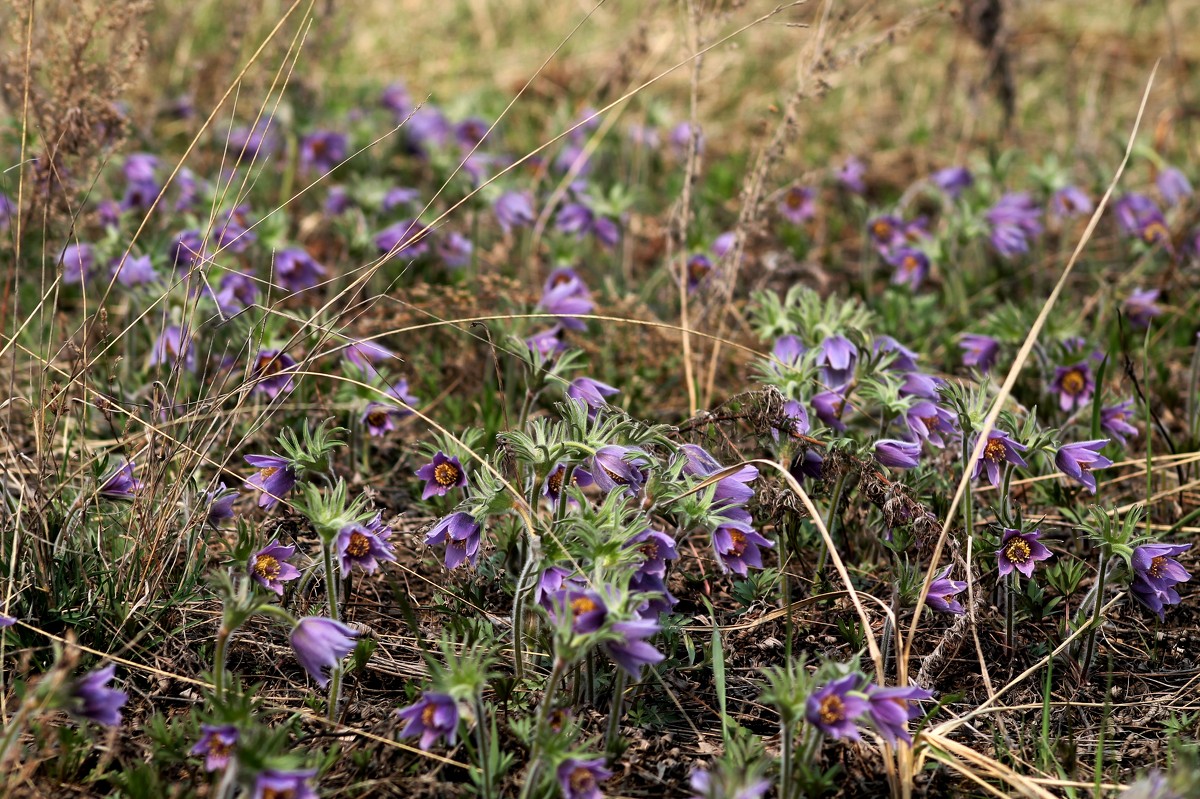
(979, 767)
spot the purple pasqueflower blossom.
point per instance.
(1137, 215)
(903, 359)
(554, 480)
(357, 545)
(911, 267)
(566, 297)
(699, 268)
(574, 218)
(379, 416)
(733, 785)
(550, 582)
(1020, 551)
(897, 454)
(1141, 307)
(834, 707)
(979, 351)
(273, 373)
(273, 784)
(1070, 201)
(108, 214)
(460, 532)
(1073, 384)
(698, 461)
(798, 204)
(890, 710)
(850, 175)
(999, 449)
(454, 249)
(1112, 421)
(591, 393)
(441, 475)
(140, 167)
(322, 150)
(656, 548)
(232, 232)
(1173, 185)
(246, 143)
(78, 262)
(236, 291)
(919, 384)
(838, 357)
(134, 271)
(216, 744)
(364, 354)
(656, 599)
(426, 127)
(471, 132)
(121, 484)
(93, 700)
(275, 477)
(829, 407)
(434, 715)
(631, 651)
(681, 138)
(171, 348)
(931, 422)
(395, 98)
(724, 244)
(220, 504)
(737, 549)
(296, 270)
(735, 489)
(269, 566)
(408, 237)
(188, 187)
(1014, 220)
(795, 421)
(886, 230)
(578, 778)
(338, 201)
(788, 351)
(586, 608)
(547, 343)
(399, 195)
(1156, 573)
(612, 467)
(514, 209)
(1078, 460)
(953, 180)
(942, 593)
(320, 644)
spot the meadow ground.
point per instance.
(633, 399)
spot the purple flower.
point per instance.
(320, 644)
(797, 205)
(408, 237)
(273, 373)
(999, 449)
(441, 475)
(460, 533)
(427, 127)
(919, 384)
(399, 196)
(890, 710)
(1173, 185)
(554, 480)
(188, 187)
(220, 504)
(269, 566)
(732, 786)
(7, 621)
(681, 138)
(886, 230)
(455, 250)
(699, 268)
(1078, 460)
(656, 548)
(1020, 551)
(1156, 573)
(898, 454)
(433, 716)
(233, 234)
(723, 244)
(829, 407)
(850, 175)
(931, 422)
(245, 144)
(359, 546)
(396, 99)
(272, 784)
(216, 744)
(170, 348)
(296, 270)
(93, 700)
(275, 477)
(338, 201)
(550, 583)
(1112, 421)
(1141, 307)
(1073, 384)
(953, 180)
(237, 290)
(578, 778)
(78, 262)
(8, 209)
(322, 150)
(1014, 220)
(547, 343)
(735, 489)
(979, 351)
(135, 271)
(838, 356)
(514, 209)
(377, 416)
(903, 360)
(912, 267)
(121, 484)
(942, 593)
(140, 167)
(631, 651)
(795, 421)
(586, 608)
(1137, 215)
(788, 350)
(364, 354)
(470, 132)
(612, 467)
(1070, 201)
(737, 549)
(591, 393)
(566, 297)
(833, 707)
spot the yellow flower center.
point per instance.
(698, 269)
(272, 793)
(795, 198)
(616, 478)
(267, 472)
(832, 709)
(1074, 383)
(882, 229)
(377, 418)
(994, 451)
(739, 543)
(269, 365)
(649, 550)
(427, 714)
(910, 263)
(359, 545)
(1155, 231)
(217, 747)
(1157, 566)
(581, 605)
(1017, 550)
(554, 481)
(581, 780)
(446, 474)
(930, 422)
(266, 567)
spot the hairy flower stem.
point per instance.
(1010, 607)
(518, 619)
(330, 580)
(539, 729)
(968, 504)
(835, 500)
(485, 766)
(219, 654)
(1097, 603)
(335, 692)
(786, 742)
(614, 717)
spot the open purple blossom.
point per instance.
(320, 644)
(232, 232)
(322, 150)
(738, 550)
(441, 475)
(797, 204)
(578, 778)
(1069, 202)
(566, 297)
(236, 291)
(338, 201)
(931, 422)
(850, 175)
(296, 270)
(1078, 460)
(135, 271)
(273, 784)
(834, 708)
(890, 710)
(269, 566)
(631, 651)
(550, 582)
(121, 484)
(903, 359)
(699, 269)
(399, 195)
(554, 481)
(220, 504)
(656, 548)
(829, 407)
(724, 244)
(999, 449)
(886, 231)
(591, 393)
(979, 352)
(795, 421)
(170, 348)
(247, 143)
(275, 477)
(357, 545)
(919, 384)
(93, 700)
(1074, 385)
(426, 128)
(1156, 573)
(408, 238)
(1137, 215)
(378, 418)
(953, 180)
(455, 250)
(911, 267)
(788, 351)
(1173, 185)
(434, 715)
(365, 354)
(942, 593)
(897, 454)
(78, 263)
(216, 744)
(514, 209)
(1113, 421)
(1141, 307)
(838, 357)
(585, 607)
(613, 467)
(1020, 551)
(461, 534)
(1014, 220)
(395, 98)
(273, 372)
(547, 343)
(735, 488)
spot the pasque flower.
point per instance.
(434, 715)
(730, 784)
(296, 270)
(928, 421)
(614, 466)
(591, 393)
(631, 651)
(850, 175)
(78, 262)
(829, 407)
(890, 710)
(953, 180)
(170, 348)
(1014, 220)
(1070, 201)
(999, 449)
(566, 297)
(1073, 384)
(408, 237)
(216, 745)
(585, 607)
(1141, 307)
(236, 291)
(979, 351)
(441, 475)
(834, 708)
(1020, 551)
(514, 209)
(1078, 460)
(275, 477)
(942, 593)
(911, 267)
(93, 700)
(269, 566)
(897, 454)
(1173, 185)
(121, 484)
(738, 548)
(320, 644)
(363, 547)
(134, 270)
(1156, 573)
(554, 480)
(322, 150)
(273, 372)
(272, 784)
(578, 778)
(656, 548)
(461, 534)
(220, 504)
(1112, 421)
(838, 356)
(796, 205)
